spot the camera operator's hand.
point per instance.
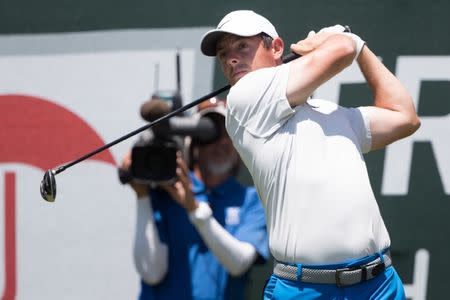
(181, 190)
(140, 189)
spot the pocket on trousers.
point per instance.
(269, 288)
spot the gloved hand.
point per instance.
(311, 42)
(340, 29)
(333, 29)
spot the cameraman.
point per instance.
(198, 238)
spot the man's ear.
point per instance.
(277, 48)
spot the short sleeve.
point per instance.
(258, 101)
(252, 228)
(360, 121)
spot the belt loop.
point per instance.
(381, 255)
(299, 272)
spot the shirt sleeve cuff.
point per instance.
(201, 214)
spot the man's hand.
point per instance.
(181, 190)
(334, 29)
(314, 40)
(341, 29)
(140, 189)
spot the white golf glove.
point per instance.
(340, 29)
(311, 33)
(336, 29)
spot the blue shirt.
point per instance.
(194, 272)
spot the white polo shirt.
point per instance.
(308, 168)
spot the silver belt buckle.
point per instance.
(378, 268)
(339, 283)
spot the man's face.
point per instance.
(219, 157)
(240, 55)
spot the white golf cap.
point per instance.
(240, 22)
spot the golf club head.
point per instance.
(48, 186)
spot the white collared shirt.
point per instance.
(308, 167)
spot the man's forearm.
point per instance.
(150, 254)
(389, 93)
(236, 256)
(392, 116)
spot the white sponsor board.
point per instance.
(80, 247)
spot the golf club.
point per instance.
(48, 183)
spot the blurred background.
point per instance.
(73, 75)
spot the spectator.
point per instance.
(199, 237)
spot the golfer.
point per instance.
(306, 155)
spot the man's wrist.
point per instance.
(358, 41)
(200, 214)
(191, 207)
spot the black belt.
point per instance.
(340, 277)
